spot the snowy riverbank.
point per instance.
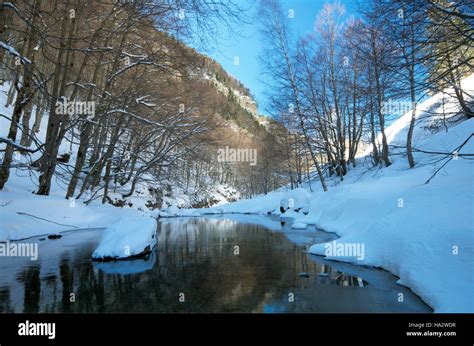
(24, 214)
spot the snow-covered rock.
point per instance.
(289, 216)
(127, 238)
(299, 225)
(275, 213)
(295, 199)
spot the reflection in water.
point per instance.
(67, 280)
(32, 283)
(217, 264)
(127, 267)
(5, 300)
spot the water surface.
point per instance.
(226, 263)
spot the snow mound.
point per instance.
(295, 199)
(127, 238)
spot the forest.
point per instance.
(126, 103)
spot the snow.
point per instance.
(409, 228)
(175, 211)
(24, 214)
(299, 225)
(289, 215)
(127, 238)
(12, 51)
(295, 199)
(172, 210)
(259, 205)
(396, 132)
(179, 199)
(275, 213)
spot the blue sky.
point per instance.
(247, 45)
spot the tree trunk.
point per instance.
(22, 100)
(26, 134)
(378, 90)
(38, 117)
(56, 127)
(8, 156)
(80, 160)
(411, 161)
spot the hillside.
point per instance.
(218, 103)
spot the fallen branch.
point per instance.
(40, 218)
(452, 155)
(8, 141)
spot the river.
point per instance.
(225, 263)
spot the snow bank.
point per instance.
(422, 233)
(215, 194)
(271, 203)
(127, 238)
(24, 214)
(262, 204)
